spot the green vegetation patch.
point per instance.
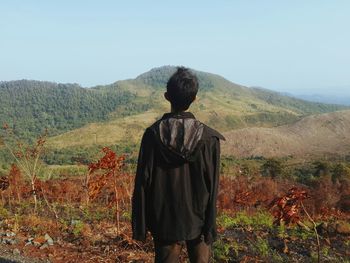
(261, 219)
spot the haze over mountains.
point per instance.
(342, 99)
(119, 112)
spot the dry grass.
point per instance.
(118, 130)
(321, 134)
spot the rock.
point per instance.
(7, 234)
(28, 243)
(44, 246)
(16, 252)
(10, 234)
(9, 241)
(48, 239)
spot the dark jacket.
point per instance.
(177, 180)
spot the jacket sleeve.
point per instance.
(139, 198)
(213, 170)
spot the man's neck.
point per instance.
(172, 110)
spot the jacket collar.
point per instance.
(178, 115)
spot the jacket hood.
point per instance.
(179, 135)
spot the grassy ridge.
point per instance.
(316, 135)
(221, 104)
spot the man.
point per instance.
(177, 178)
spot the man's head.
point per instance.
(182, 88)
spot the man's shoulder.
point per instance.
(153, 128)
(210, 133)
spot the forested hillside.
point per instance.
(32, 106)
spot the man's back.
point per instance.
(177, 178)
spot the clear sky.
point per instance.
(295, 46)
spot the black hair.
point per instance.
(182, 88)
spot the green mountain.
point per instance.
(110, 113)
(32, 106)
(221, 104)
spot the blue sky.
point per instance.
(293, 46)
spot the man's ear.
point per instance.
(166, 96)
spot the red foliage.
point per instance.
(12, 184)
(236, 193)
(287, 208)
(16, 182)
(108, 162)
(110, 165)
(62, 190)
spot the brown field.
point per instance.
(316, 135)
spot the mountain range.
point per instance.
(342, 99)
(119, 112)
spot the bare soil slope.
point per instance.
(321, 134)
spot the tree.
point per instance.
(27, 156)
(321, 168)
(340, 171)
(272, 167)
(110, 165)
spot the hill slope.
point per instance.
(31, 106)
(323, 134)
(130, 105)
(221, 104)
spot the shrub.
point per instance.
(262, 247)
(221, 251)
(78, 227)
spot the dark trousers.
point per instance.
(169, 251)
